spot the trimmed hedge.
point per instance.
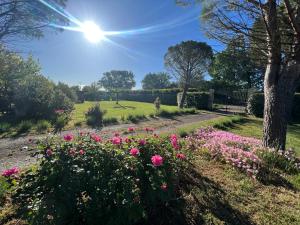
(167, 96)
(199, 100)
(255, 105)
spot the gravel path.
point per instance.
(16, 151)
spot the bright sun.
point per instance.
(92, 32)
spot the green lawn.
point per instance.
(123, 109)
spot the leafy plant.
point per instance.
(62, 119)
(122, 181)
(24, 126)
(4, 127)
(42, 125)
(94, 116)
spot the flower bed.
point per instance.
(86, 180)
(244, 153)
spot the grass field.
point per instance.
(119, 111)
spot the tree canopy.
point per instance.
(188, 62)
(234, 68)
(156, 81)
(117, 80)
(272, 30)
(28, 18)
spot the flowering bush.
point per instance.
(244, 153)
(86, 180)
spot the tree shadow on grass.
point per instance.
(118, 106)
(208, 197)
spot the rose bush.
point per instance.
(82, 179)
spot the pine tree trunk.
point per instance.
(278, 104)
(184, 93)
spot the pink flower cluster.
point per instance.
(233, 149)
(11, 172)
(174, 141)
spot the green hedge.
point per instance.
(255, 105)
(199, 100)
(167, 96)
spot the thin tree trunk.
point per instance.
(183, 97)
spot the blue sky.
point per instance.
(70, 58)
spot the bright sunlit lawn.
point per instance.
(123, 109)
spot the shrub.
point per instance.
(122, 181)
(24, 126)
(62, 119)
(110, 121)
(136, 118)
(199, 100)
(4, 127)
(255, 105)
(94, 116)
(4, 187)
(42, 125)
(78, 124)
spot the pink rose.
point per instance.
(96, 138)
(116, 134)
(173, 137)
(134, 152)
(49, 152)
(157, 160)
(81, 152)
(10, 172)
(72, 152)
(127, 140)
(164, 187)
(180, 156)
(68, 137)
(116, 140)
(142, 142)
(131, 129)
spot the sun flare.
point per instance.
(92, 32)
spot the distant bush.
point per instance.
(255, 105)
(136, 118)
(24, 126)
(199, 100)
(4, 127)
(157, 104)
(110, 121)
(42, 125)
(94, 116)
(61, 120)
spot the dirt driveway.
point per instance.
(16, 151)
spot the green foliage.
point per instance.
(156, 81)
(37, 98)
(61, 120)
(285, 161)
(117, 80)
(255, 105)
(110, 121)
(135, 118)
(24, 126)
(18, 18)
(234, 68)
(68, 91)
(4, 127)
(43, 125)
(94, 116)
(13, 69)
(4, 188)
(199, 100)
(88, 182)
